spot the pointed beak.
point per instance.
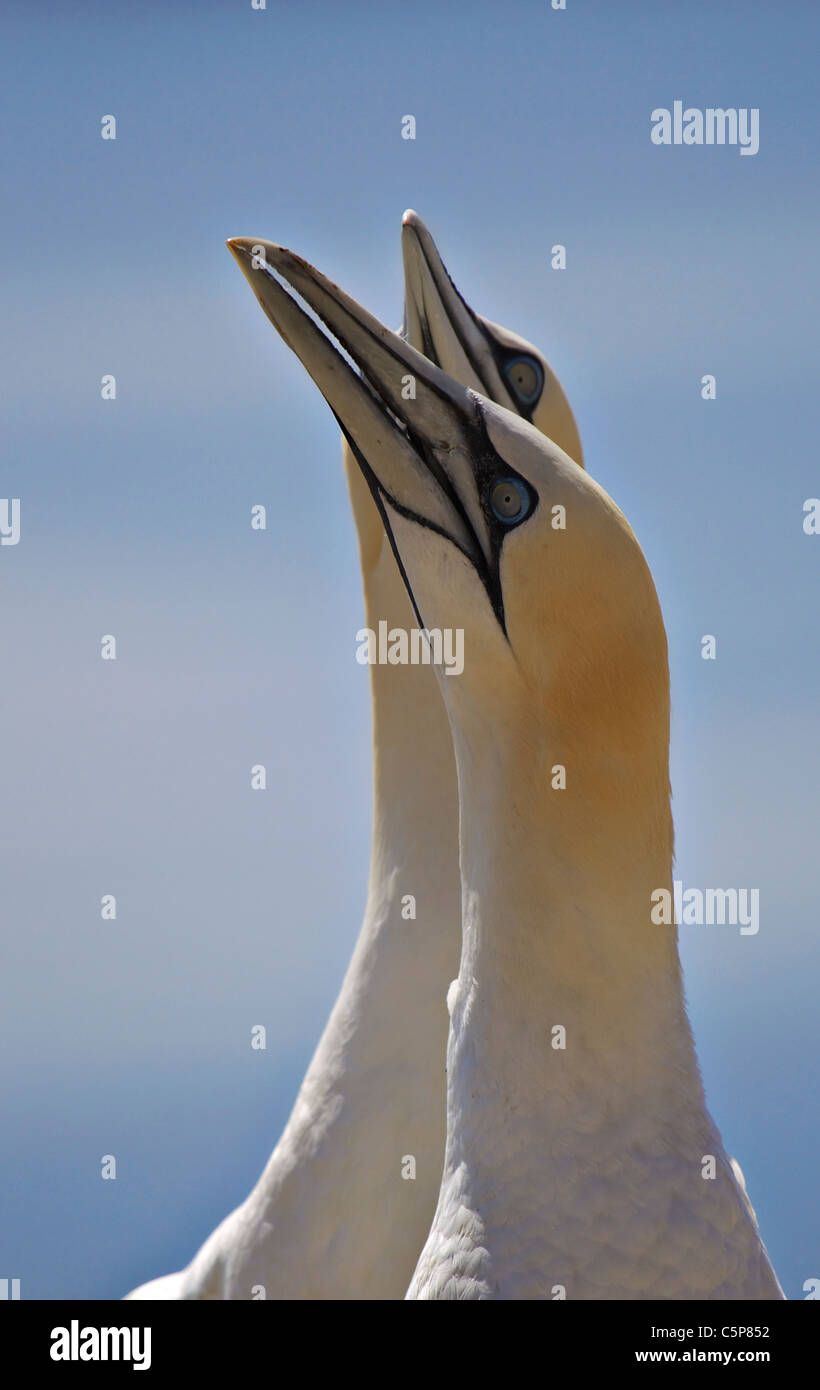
(419, 437)
(438, 320)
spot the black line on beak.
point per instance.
(499, 356)
(378, 496)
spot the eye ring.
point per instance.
(509, 500)
(526, 377)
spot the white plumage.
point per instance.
(580, 1158)
(332, 1216)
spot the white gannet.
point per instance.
(332, 1215)
(580, 1158)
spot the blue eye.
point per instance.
(509, 500)
(526, 377)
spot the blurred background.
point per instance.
(236, 647)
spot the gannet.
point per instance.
(581, 1161)
(332, 1215)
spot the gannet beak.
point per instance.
(418, 436)
(439, 321)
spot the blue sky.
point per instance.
(237, 647)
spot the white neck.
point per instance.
(575, 1171)
(332, 1216)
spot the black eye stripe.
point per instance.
(502, 358)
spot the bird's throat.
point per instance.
(568, 1018)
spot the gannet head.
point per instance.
(483, 355)
(496, 530)
(498, 364)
